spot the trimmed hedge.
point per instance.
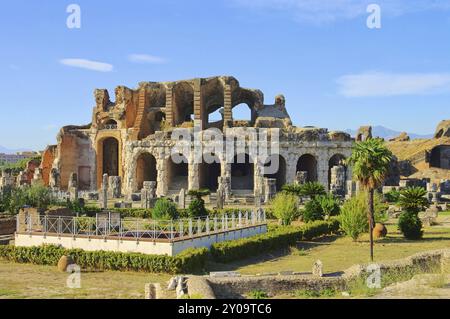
(189, 261)
(278, 238)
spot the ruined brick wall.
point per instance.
(48, 157)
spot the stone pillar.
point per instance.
(270, 189)
(104, 192)
(148, 195)
(220, 200)
(162, 178)
(73, 187)
(182, 199)
(169, 105)
(114, 187)
(227, 107)
(322, 170)
(193, 178)
(337, 183)
(258, 178)
(198, 107)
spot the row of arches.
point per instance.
(242, 171)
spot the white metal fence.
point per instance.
(110, 225)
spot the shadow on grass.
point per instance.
(303, 246)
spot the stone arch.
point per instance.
(335, 160)
(146, 169)
(242, 172)
(213, 100)
(109, 155)
(209, 172)
(177, 173)
(280, 171)
(308, 163)
(183, 103)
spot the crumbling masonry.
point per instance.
(131, 139)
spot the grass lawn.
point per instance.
(19, 281)
(339, 253)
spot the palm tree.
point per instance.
(370, 161)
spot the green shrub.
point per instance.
(313, 211)
(164, 209)
(197, 208)
(392, 196)
(353, 217)
(258, 294)
(276, 238)
(188, 261)
(312, 189)
(285, 207)
(410, 225)
(294, 189)
(330, 205)
(413, 200)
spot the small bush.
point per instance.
(392, 196)
(164, 209)
(197, 208)
(258, 294)
(353, 217)
(285, 207)
(313, 211)
(330, 205)
(410, 225)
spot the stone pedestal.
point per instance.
(104, 192)
(338, 179)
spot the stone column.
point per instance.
(73, 187)
(104, 192)
(162, 178)
(114, 187)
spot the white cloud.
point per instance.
(325, 11)
(87, 64)
(146, 58)
(379, 84)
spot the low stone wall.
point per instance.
(7, 226)
(237, 287)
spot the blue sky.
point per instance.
(334, 71)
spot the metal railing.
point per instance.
(133, 228)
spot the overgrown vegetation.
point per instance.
(14, 198)
(164, 209)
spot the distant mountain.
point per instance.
(387, 133)
(12, 151)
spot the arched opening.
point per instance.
(440, 157)
(155, 121)
(145, 170)
(178, 173)
(215, 118)
(242, 173)
(209, 172)
(308, 163)
(275, 167)
(110, 125)
(242, 113)
(183, 104)
(111, 157)
(335, 160)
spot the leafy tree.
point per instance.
(199, 193)
(285, 207)
(370, 162)
(413, 200)
(164, 209)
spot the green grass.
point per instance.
(45, 282)
(338, 253)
